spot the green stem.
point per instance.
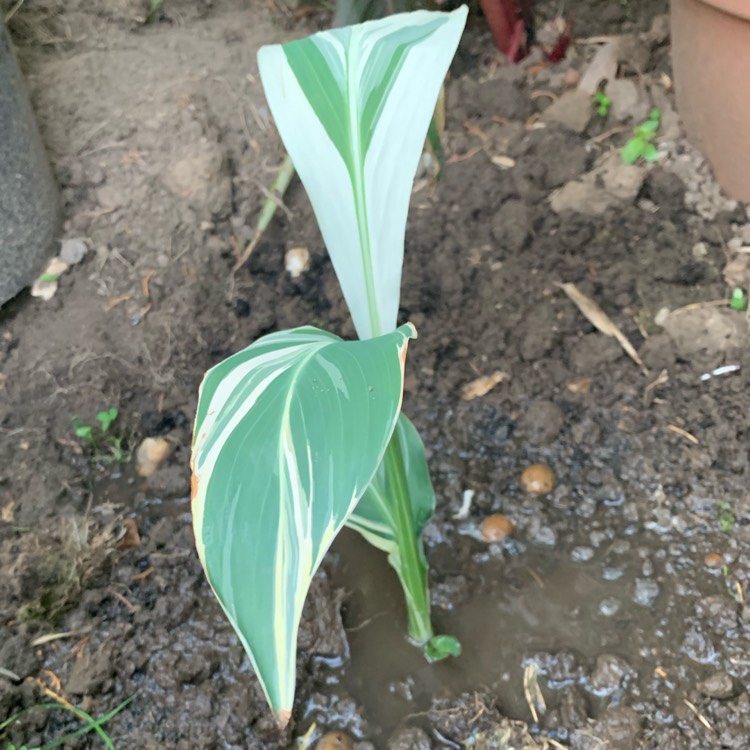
(412, 565)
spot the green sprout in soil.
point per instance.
(641, 144)
(91, 725)
(155, 11)
(602, 103)
(104, 445)
(738, 300)
(726, 517)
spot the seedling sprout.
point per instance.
(602, 103)
(641, 144)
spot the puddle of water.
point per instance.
(559, 607)
(539, 601)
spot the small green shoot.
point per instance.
(738, 300)
(641, 145)
(726, 517)
(105, 446)
(602, 103)
(106, 418)
(441, 647)
(155, 11)
(91, 725)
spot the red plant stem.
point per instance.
(508, 20)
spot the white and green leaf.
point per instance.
(287, 437)
(352, 106)
(392, 519)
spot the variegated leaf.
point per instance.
(353, 106)
(288, 435)
(393, 522)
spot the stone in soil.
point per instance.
(609, 673)
(718, 685)
(572, 110)
(617, 728)
(409, 738)
(609, 184)
(29, 200)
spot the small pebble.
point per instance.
(496, 527)
(609, 673)
(297, 261)
(537, 479)
(73, 251)
(334, 741)
(611, 573)
(713, 560)
(581, 554)
(646, 591)
(718, 685)
(545, 535)
(609, 606)
(151, 454)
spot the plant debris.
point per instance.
(598, 318)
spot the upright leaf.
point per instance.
(392, 518)
(358, 100)
(375, 516)
(288, 435)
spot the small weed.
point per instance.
(641, 145)
(602, 103)
(726, 517)
(155, 11)
(91, 725)
(104, 445)
(739, 300)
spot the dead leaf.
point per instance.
(131, 538)
(116, 301)
(145, 281)
(7, 513)
(455, 158)
(504, 162)
(598, 318)
(582, 385)
(483, 385)
(684, 433)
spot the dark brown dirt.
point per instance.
(161, 142)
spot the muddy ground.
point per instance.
(621, 592)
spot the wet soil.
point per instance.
(621, 592)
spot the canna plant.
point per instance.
(302, 432)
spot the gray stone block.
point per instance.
(30, 213)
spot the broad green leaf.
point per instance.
(288, 435)
(392, 521)
(353, 106)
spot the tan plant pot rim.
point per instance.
(739, 8)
